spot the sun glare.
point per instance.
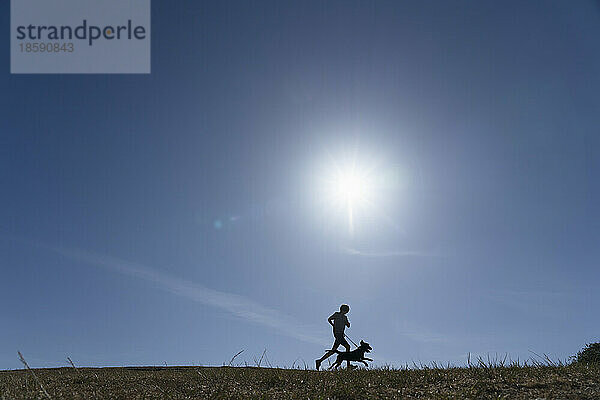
(348, 188)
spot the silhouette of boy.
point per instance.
(339, 322)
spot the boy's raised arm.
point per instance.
(331, 319)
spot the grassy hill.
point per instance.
(483, 382)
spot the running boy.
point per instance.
(339, 322)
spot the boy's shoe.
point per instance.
(318, 364)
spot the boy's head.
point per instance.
(344, 308)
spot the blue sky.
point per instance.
(178, 217)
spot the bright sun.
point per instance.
(348, 188)
(351, 191)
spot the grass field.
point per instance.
(483, 382)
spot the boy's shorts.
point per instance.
(340, 339)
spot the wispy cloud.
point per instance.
(237, 305)
(399, 253)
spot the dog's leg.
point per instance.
(368, 359)
(364, 362)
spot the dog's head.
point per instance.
(365, 346)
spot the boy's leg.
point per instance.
(347, 346)
(320, 360)
(328, 354)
